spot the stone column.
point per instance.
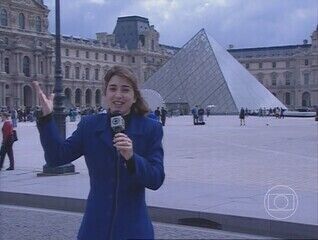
(93, 97)
(83, 97)
(1, 61)
(19, 63)
(19, 95)
(50, 66)
(35, 65)
(2, 94)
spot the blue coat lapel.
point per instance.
(103, 130)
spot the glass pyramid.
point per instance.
(203, 73)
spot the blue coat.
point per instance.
(93, 139)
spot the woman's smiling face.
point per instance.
(119, 95)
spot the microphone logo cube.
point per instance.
(117, 124)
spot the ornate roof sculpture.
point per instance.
(203, 73)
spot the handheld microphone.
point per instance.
(117, 122)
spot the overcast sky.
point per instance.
(243, 23)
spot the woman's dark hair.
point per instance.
(140, 106)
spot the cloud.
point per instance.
(100, 2)
(243, 23)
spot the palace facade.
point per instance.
(289, 72)
(27, 54)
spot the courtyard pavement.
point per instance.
(261, 178)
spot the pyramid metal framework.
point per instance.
(203, 73)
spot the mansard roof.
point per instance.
(273, 51)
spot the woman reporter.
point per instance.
(121, 165)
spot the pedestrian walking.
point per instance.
(120, 164)
(194, 112)
(14, 117)
(242, 117)
(157, 113)
(7, 141)
(163, 115)
(201, 115)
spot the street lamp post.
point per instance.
(58, 103)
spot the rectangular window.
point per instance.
(288, 78)
(133, 59)
(114, 58)
(105, 57)
(96, 74)
(87, 54)
(260, 65)
(67, 72)
(96, 56)
(145, 59)
(77, 53)
(66, 52)
(122, 58)
(287, 64)
(306, 62)
(306, 78)
(274, 78)
(273, 64)
(77, 72)
(247, 65)
(6, 65)
(87, 73)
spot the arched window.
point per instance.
(21, 21)
(38, 24)
(88, 97)
(6, 65)
(78, 97)
(287, 98)
(98, 97)
(26, 66)
(306, 99)
(68, 94)
(4, 17)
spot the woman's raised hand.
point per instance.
(45, 102)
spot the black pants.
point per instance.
(163, 121)
(6, 148)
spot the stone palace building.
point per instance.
(27, 54)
